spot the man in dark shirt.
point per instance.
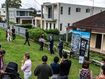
(27, 37)
(64, 67)
(43, 71)
(55, 68)
(13, 33)
(60, 47)
(51, 40)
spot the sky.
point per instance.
(36, 3)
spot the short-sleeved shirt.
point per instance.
(43, 71)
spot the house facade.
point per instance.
(18, 16)
(96, 24)
(38, 20)
(62, 15)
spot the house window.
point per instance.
(49, 12)
(68, 24)
(87, 10)
(78, 9)
(26, 13)
(46, 26)
(69, 10)
(60, 27)
(54, 25)
(4, 11)
(61, 10)
(50, 25)
(20, 13)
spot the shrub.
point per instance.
(63, 36)
(25, 26)
(36, 33)
(52, 31)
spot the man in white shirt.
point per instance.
(26, 66)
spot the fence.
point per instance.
(19, 30)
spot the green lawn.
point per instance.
(16, 49)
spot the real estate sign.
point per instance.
(80, 44)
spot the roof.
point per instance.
(95, 23)
(55, 3)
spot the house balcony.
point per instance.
(24, 16)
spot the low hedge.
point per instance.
(29, 26)
(52, 31)
(36, 33)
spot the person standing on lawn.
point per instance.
(8, 32)
(26, 66)
(51, 45)
(43, 71)
(41, 41)
(2, 53)
(60, 47)
(85, 72)
(102, 75)
(13, 33)
(27, 37)
(55, 68)
(64, 67)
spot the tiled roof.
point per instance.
(96, 23)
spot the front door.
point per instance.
(98, 41)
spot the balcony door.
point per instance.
(49, 12)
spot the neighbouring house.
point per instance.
(38, 20)
(61, 15)
(96, 24)
(18, 16)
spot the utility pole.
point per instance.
(92, 7)
(67, 35)
(7, 13)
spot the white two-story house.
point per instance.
(18, 16)
(61, 15)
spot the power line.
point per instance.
(37, 2)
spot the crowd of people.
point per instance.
(51, 45)
(58, 69)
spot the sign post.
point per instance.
(80, 44)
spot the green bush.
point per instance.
(52, 31)
(29, 26)
(63, 36)
(36, 33)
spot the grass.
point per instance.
(16, 49)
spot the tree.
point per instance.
(34, 12)
(13, 3)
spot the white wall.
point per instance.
(73, 17)
(13, 14)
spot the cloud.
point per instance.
(37, 3)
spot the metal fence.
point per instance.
(19, 30)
